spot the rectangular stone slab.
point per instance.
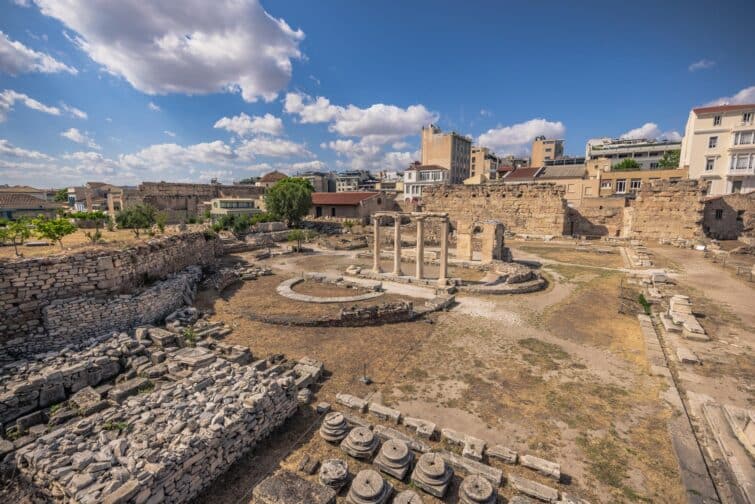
(544, 467)
(503, 453)
(533, 488)
(286, 487)
(469, 466)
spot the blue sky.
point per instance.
(132, 90)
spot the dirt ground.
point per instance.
(558, 373)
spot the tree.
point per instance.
(54, 229)
(626, 165)
(161, 218)
(61, 195)
(289, 199)
(136, 218)
(249, 180)
(298, 236)
(17, 232)
(670, 159)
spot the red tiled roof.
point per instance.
(522, 174)
(723, 108)
(506, 168)
(273, 176)
(23, 201)
(341, 198)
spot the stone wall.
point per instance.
(666, 209)
(28, 286)
(535, 209)
(730, 217)
(597, 217)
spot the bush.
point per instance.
(54, 229)
(137, 218)
(626, 165)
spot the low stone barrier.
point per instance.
(161, 446)
(285, 289)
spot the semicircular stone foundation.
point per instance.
(285, 289)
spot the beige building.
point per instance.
(232, 206)
(483, 163)
(647, 153)
(417, 177)
(268, 180)
(449, 150)
(545, 150)
(719, 146)
(623, 182)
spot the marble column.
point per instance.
(376, 245)
(397, 245)
(420, 259)
(443, 274)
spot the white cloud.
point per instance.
(153, 107)
(77, 136)
(16, 58)
(259, 167)
(192, 47)
(316, 165)
(169, 156)
(10, 150)
(379, 122)
(703, 64)
(517, 139)
(8, 99)
(651, 131)
(745, 96)
(244, 125)
(77, 113)
(399, 160)
(272, 147)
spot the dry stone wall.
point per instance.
(535, 209)
(730, 217)
(666, 209)
(28, 286)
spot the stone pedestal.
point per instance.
(360, 443)
(334, 473)
(477, 490)
(369, 487)
(334, 427)
(407, 497)
(432, 475)
(397, 245)
(376, 245)
(420, 259)
(394, 458)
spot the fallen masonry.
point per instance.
(286, 487)
(165, 445)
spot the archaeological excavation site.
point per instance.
(489, 348)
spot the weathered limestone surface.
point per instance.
(165, 445)
(544, 467)
(286, 487)
(538, 209)
(533, 488)
(28, 286)
(668, 210)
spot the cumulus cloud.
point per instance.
(9, 150)
(192, 47)
(703, 64)
(16, 58)
(244, 125)
(746, 95)
(74, 135)
(8, 99)
(153, 107)
(78, 114)
(380, 123)
(516, 139)
(272, 147)
(651, 131)
(316, 165)
(168, 156)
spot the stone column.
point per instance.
(397, 245)
(420, 259)
(443, 274)
(376, 245)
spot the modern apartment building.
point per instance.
(719, 146)
(355, 180)
(484, 163)
(647, 153)
(448, 150)
(322, 182)
(544, 149)
(418, 176)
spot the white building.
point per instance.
(647, 153)
(719, 146)
(417, 177)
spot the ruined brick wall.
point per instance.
(28, 286)
(730, 217)
(537, 209)
(597, 217)
(666, 209)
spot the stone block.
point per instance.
(533, 488)
(503, 453)
(384, 412)
(286, 487)
(545, 467)
(423, 428)
(474, 448)
(453, 437)
(386, 433)
(469, 466)
(128, 388)
(686, 356)
(352, 402)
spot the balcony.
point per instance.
(739, 172)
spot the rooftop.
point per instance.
(19, 189)
(723, 108)
(415, 167)
(341, 198)
(522, 174)
(273, 176)
(21, 201)
(563, 171)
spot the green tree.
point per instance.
(136, 218)
(61, 195)
(54, 229)
(670, 159)
(161, 218)
(249, 180)
(626, 165)
(298, 236)
(17, 232)
(289, 199)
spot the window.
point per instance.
(621, 186)
(606, 184)
(744, 137)
(719, 213)
(736, 186)
(747, 117)
(635, 184)
(712, 142)
(716, 120)
(570, 188)
(742, 161)
(709, 164)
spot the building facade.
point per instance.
(483, 163)
(448, 150)
(719, 146)
(220, 207)
(349, 205)
(322, 182)
(647, 153)
(417, 177)
(544, 149)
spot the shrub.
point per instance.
(137, 218)
(54, 229)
